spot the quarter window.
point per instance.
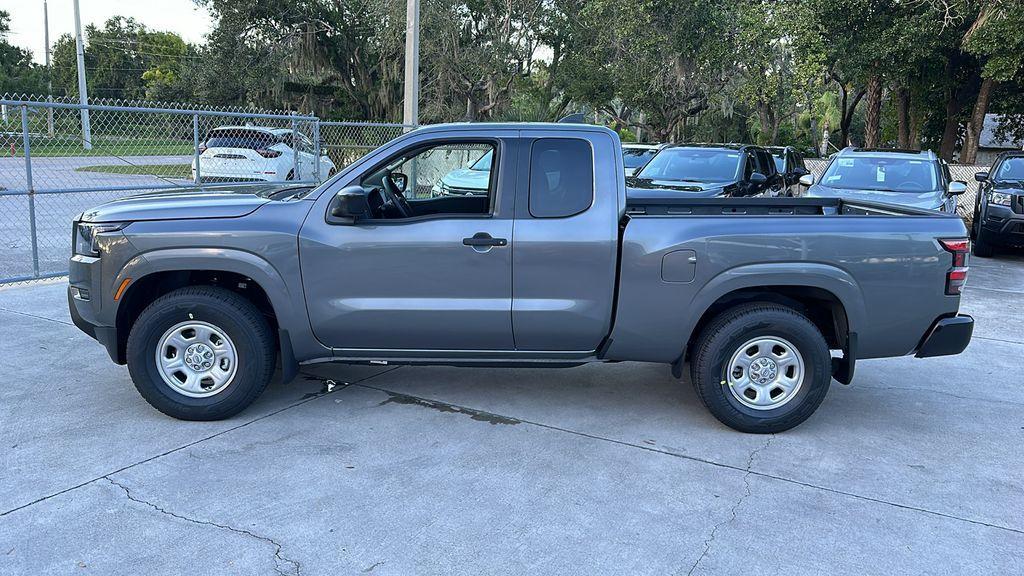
(561, 177)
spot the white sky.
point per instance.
(180, 16)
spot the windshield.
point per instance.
(780, 162)
(483, 164)
(881, 173)
(693, 165)
(636, 157)
(1011, 169)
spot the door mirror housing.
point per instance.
(956, 188)
(981, 176)
(807, 180)
(758, 178)
(348, 206)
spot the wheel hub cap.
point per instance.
(196, 359)
(765, 373)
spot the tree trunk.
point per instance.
(873, 115)
(969, 154)
(949, 132)
(903, 118)
(914, 132)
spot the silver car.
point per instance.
(914, 178)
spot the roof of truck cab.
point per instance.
(478, 126)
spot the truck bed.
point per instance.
(680, 256)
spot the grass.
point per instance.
(161, 170)
(130, 147)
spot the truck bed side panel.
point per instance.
(888, 271)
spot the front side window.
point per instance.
(882, 174)
(561, 177)
(453, 178)
(694, 165)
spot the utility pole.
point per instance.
(411, 105)
(49, 71)
(83, 97)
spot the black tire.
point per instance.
(238, 318)
(981, 247)
(727, 333)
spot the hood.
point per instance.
(185, 203)
(649, 188)
(467, 179)
(932, 200)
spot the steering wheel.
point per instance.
(393, 197)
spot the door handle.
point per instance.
(481, 239)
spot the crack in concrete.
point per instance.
(735, 507)
(279, 557)
(785, 479)
(36, 316)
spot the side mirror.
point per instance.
(981, 176)
(758, 178)
(401, 181)
(956, 188)
(807, 180)
(349, 205)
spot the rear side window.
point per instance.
(561, 177)
(240, 138)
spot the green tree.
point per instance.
(18, 74)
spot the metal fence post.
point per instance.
(31, 190)
(316, 150)
(197, 180)
(295, 149)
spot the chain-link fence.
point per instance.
(961, 172)
(58, 158)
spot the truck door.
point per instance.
(566, 240)
(438, 278)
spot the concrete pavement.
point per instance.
(603, 469)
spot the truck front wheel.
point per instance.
(761, 368)
(201, 353)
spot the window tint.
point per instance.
(685, 164)
(636, 157)
(240, 138)
(453, 178)
(561, 177)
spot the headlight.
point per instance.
(86, 235)
(1000, 198)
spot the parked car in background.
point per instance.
(916, 178)
(707, 171)
(472, 180)
(256, 153)
(766, 299)
(634, 156)
(790, 164)
(999, 207)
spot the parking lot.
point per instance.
(603, 469)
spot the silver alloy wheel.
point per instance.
(765, 373)
(196, 359)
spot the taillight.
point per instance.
(957, 275)
(267, 153)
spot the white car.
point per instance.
(255, 153)
(635, 156)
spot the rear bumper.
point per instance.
(947, 336)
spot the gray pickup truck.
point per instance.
(201, 293)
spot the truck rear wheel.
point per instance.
(201, 353)
(761, 368)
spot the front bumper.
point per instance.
(83, 317)
(1003, 226)
(947, 336)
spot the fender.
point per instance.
(288, 304)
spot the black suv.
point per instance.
(999, 209)
(790, 164)
(708, 170)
